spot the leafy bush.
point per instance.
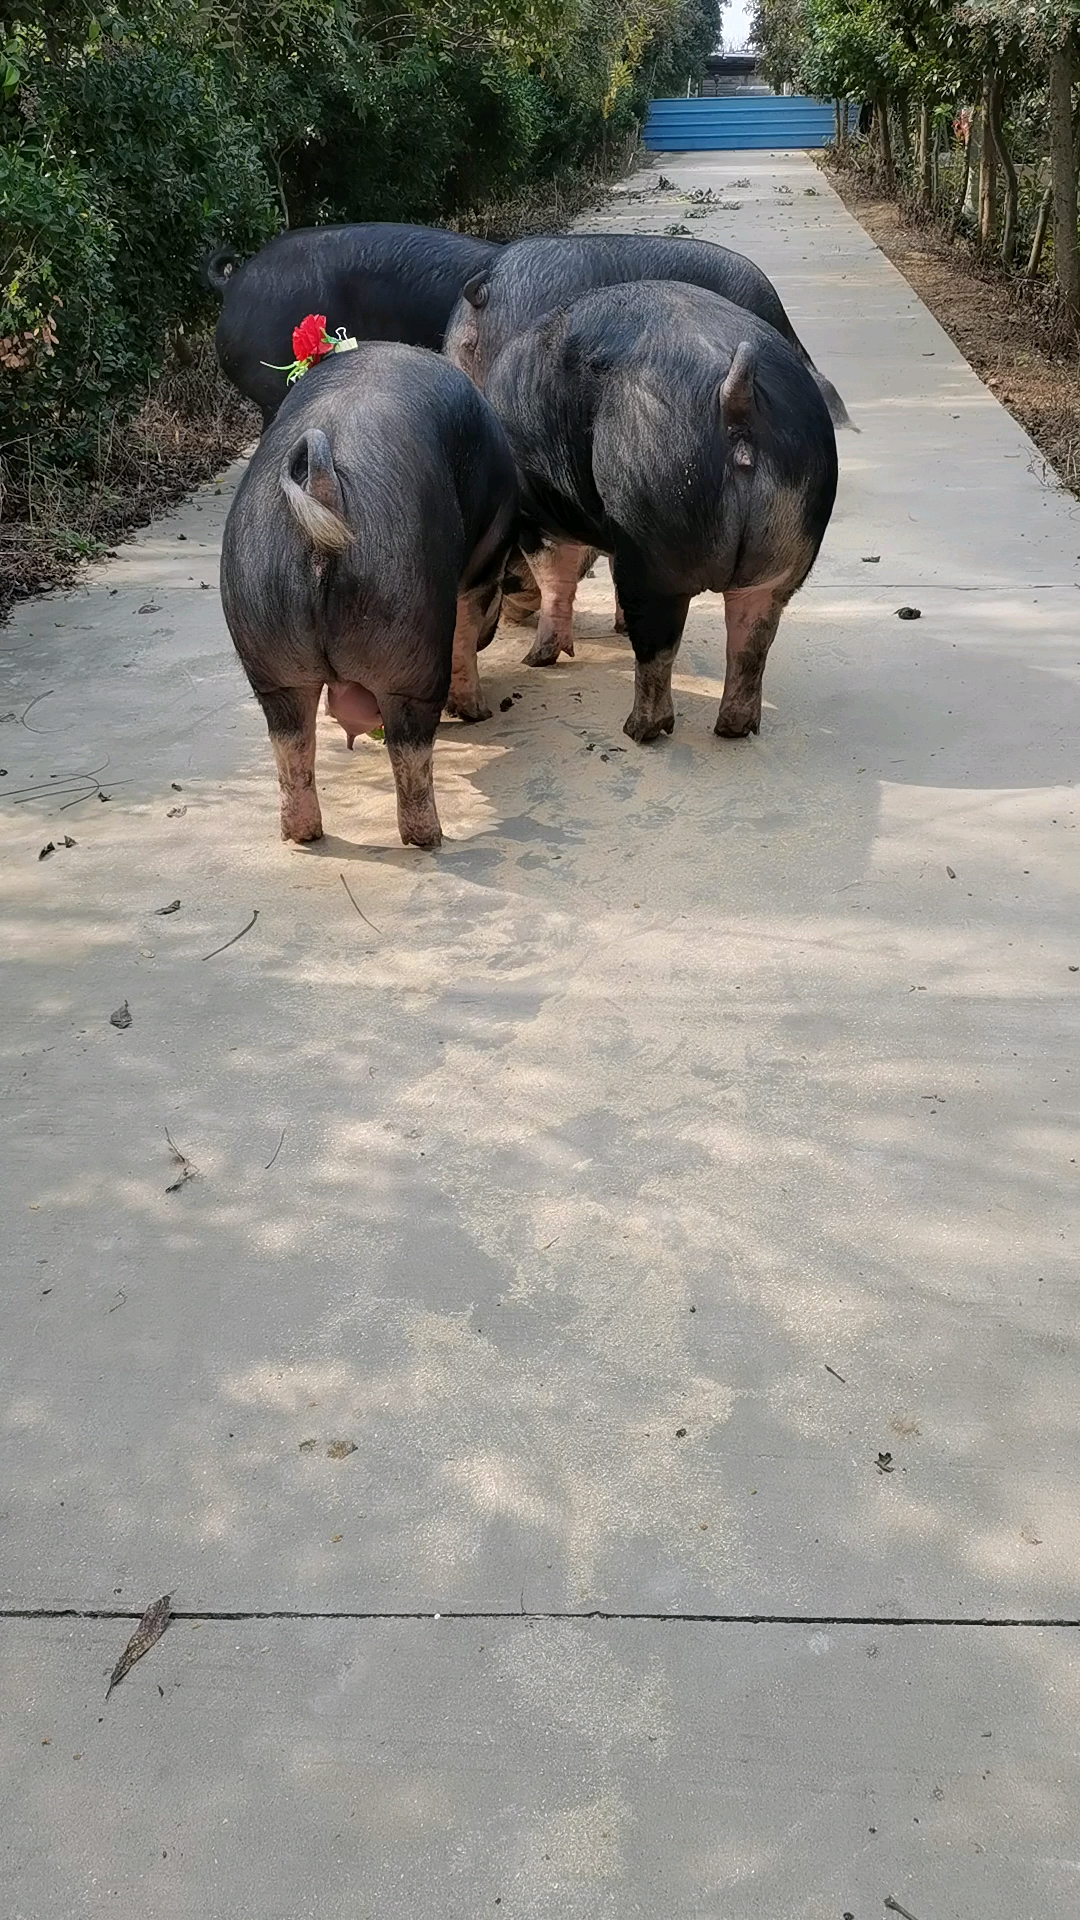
(172, 163)
(134, 142)
(64, 331)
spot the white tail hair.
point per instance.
(327, 530)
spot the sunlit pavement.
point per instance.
(604, 1403)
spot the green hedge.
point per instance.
(133, 143)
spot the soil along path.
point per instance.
(661, 1203)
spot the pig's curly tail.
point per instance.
(218, 269)
(309, 481)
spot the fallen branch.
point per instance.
(187, 1167)
(59, 783)
(49, 691)
(236, 936)
(1041, 224)
(359, 909)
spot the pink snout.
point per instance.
(353, 707)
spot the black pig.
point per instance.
(378, 281)
(684, 437)
(531, 278)
(364, 552)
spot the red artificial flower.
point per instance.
(308, 342)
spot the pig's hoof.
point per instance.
(643, 730)
(468, 710)
(546, 652)
(620, 621)
(735, 725)
(301, 819)
(427, 838)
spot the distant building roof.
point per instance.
(731, 65)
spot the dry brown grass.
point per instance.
(190, 425)
(550, 206)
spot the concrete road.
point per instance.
(604, 1403)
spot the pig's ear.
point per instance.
(737, 407)
(476, 290)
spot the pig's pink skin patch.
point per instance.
(353, 707)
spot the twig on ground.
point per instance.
(22, 796)
(33, 703)
(187, 1167)
(59, 783)
(275, 1153)
(359, 909)
(25, 796)
(236, 936)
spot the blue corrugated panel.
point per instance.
(675, 126)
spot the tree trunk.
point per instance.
(1063, 178)
(974, 150)
(1041, 225)
(881, 115)
(988, 165)
(961, 196)
(995, 104)
(938, 154)
(926, 155)
(275, 161)
(903, 133)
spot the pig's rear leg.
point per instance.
(521, 595)
(290, 719)
(620, 617)
(557, 570)
(752, 615)
(409, 728)
(474, 626)
(655, 624)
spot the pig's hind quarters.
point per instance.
(308, 479)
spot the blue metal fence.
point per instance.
(754, 120)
